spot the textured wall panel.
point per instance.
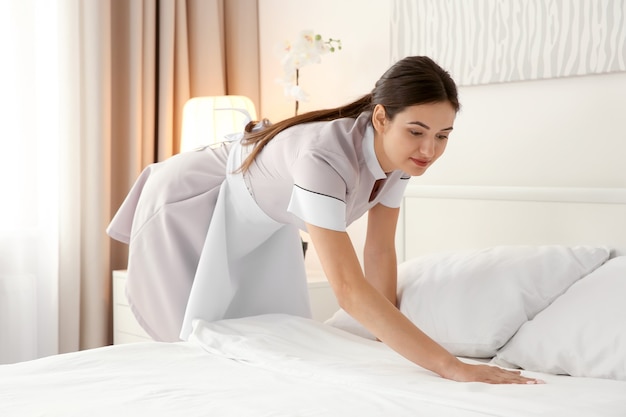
(489, 41)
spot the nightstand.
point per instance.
(127, 330)
(323, 301)
(125, 327)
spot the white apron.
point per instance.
(249, 264)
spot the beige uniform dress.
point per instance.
(208, 243)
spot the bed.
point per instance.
(544, 295)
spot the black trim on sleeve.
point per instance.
(315, 192)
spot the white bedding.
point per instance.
(277, 365)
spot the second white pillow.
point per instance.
(581, 334)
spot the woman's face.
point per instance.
(414, 139)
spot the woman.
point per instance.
(215, 233)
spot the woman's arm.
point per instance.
(363, 301)
(379, 260)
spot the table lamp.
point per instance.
(209, 119)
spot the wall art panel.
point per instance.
(490, 41)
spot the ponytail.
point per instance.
(259, 136)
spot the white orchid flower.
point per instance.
(298, 93)
(306, 49)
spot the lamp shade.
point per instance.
(208, 120)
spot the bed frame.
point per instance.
(435, 218)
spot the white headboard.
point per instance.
(438, 218)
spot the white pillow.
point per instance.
(583, 332)
(473, 301)
(344, 321)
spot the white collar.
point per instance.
(370, 154)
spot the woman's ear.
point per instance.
(379, 118)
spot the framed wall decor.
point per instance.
(491, 41)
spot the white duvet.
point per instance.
(277, 365)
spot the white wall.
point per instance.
(556, 132)
(362, 26)
(562, 132)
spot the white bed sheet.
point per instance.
(277, 365)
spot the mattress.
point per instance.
(278, 365)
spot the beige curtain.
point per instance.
(138, 62)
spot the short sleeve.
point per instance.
(393, 196)
(319, 192)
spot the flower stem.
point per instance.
(297, 83)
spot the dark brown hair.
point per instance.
(411, 81)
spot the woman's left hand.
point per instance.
(489, 374)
